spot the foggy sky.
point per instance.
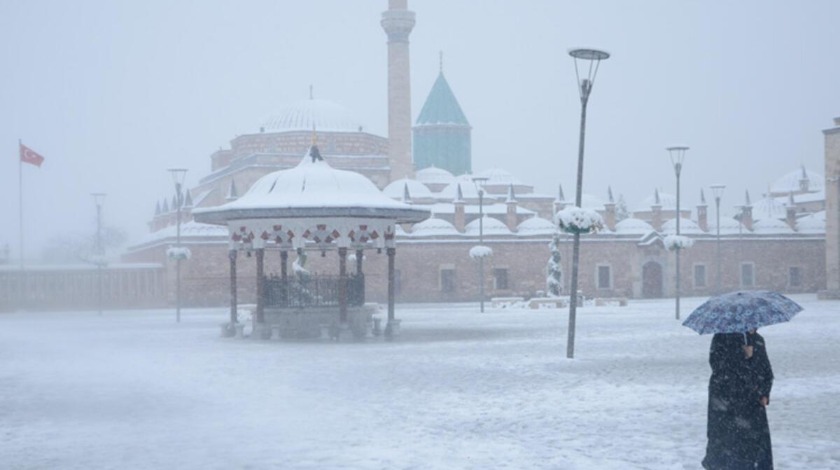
(113, 93)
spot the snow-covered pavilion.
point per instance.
(310, 207)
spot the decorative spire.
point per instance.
(406, 195)
(656, 199)
(511, 197)
(232, 194)
(459, 195)
(610, 195)
(702, 198)
(748, 203)
(560, 196)
(188, 202)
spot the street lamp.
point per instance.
(677, 156)
(178, 175)
(592, 58)
(98, 199)
(717, 190)
(479, 185)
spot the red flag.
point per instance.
(27, 155)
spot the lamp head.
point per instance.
(717, 190)
(98, 198)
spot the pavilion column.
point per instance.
(260, 285)
(342, 284)
(284, 261)
(232, 258)
(391, 255)
(359, 256)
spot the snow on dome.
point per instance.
(536, 226)
(768, 208)
(667, 201)
(631, 226)
(434, 175)
(814, 223)
(686, 227)
(433, 227)
(771, 226)
(416, 189)
(320, 115)
(498, 176)
(728, 226)
(492, 226)
(793, 182)
(468, 188)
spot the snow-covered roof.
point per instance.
(492, 226)
(667, 201)
(433, 227)
(791, 182)
(416, 189)
(814, 223)
(535, 226)
(631, 226)
(306, 115)
(771, 226)
(728, 226)
(587, 201)
(434, 175)
(687, 227)
(312, 189)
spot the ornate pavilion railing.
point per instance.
(314, 291)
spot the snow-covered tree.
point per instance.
(553, 279)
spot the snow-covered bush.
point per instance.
(576, 220)
(178, 252)
(674, 242)
(480, 251)
(554, 270)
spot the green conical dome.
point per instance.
(441, 107)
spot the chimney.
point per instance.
(790, 212)
(460, 217)
(656, 212)
(511, 219)
(609, 211)
(702, 213)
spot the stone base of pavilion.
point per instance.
(318, 323)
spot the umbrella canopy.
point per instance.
(741, 311)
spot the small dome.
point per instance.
(687, 227)
(536, 226)
(416, 189)
(433, 227)
(771, 226)
(667, 201)
(468, 189)
(492, 226)
(798, 181)
(728, 226)
(434, 175)
(768, 208)
(631, 226)
(814, 223)
(320, 115)
(498, 176)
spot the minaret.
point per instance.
(398, 22)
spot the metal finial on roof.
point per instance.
(609, 194)
(702, 197)
(748, 203)
(656, 197)
(560, 196)
(406, 195)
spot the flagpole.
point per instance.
(20, 200)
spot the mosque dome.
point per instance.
(536, 226)
(687, 227)
(814, 223)
(798, 181)
(433, 227)
(631, 226)
(317, 114)
(416, 189)
(492, 226)
(434, 175)
(771, 227)
(768, 208)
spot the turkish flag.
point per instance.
(27, 155)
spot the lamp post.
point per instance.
(178, 175)
(677, 156)
(592, 58)
(717, 190)
(479, 185)
(98, 199)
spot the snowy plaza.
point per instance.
(457, 389)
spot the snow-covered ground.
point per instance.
(459, 389)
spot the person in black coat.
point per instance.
(739, 392)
